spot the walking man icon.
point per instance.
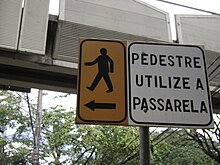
(105, 65)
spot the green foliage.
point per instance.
(106, 144)
(178, 149)
(63, 142)
(10, 109)
(57, 128)
(81, 144)
(12, 117)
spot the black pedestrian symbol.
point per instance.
(105, 65)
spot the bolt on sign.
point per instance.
(168, 86)
(102, 82)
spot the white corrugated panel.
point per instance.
(127, 16)
(213, 68)
(10, 17)
(199, 30)
(202, 30)
(68, 34)
(34, 26)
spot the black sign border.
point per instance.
(79, 80)
(168, 124)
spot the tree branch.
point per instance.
(129, 158)
(30, 116)
(90, 156)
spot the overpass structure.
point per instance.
(38, 50)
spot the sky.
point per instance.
(208, 5)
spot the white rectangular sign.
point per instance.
(168, 86)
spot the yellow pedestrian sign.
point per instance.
(102, 89)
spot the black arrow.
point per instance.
(92, 105)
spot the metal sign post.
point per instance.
(144, 137)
